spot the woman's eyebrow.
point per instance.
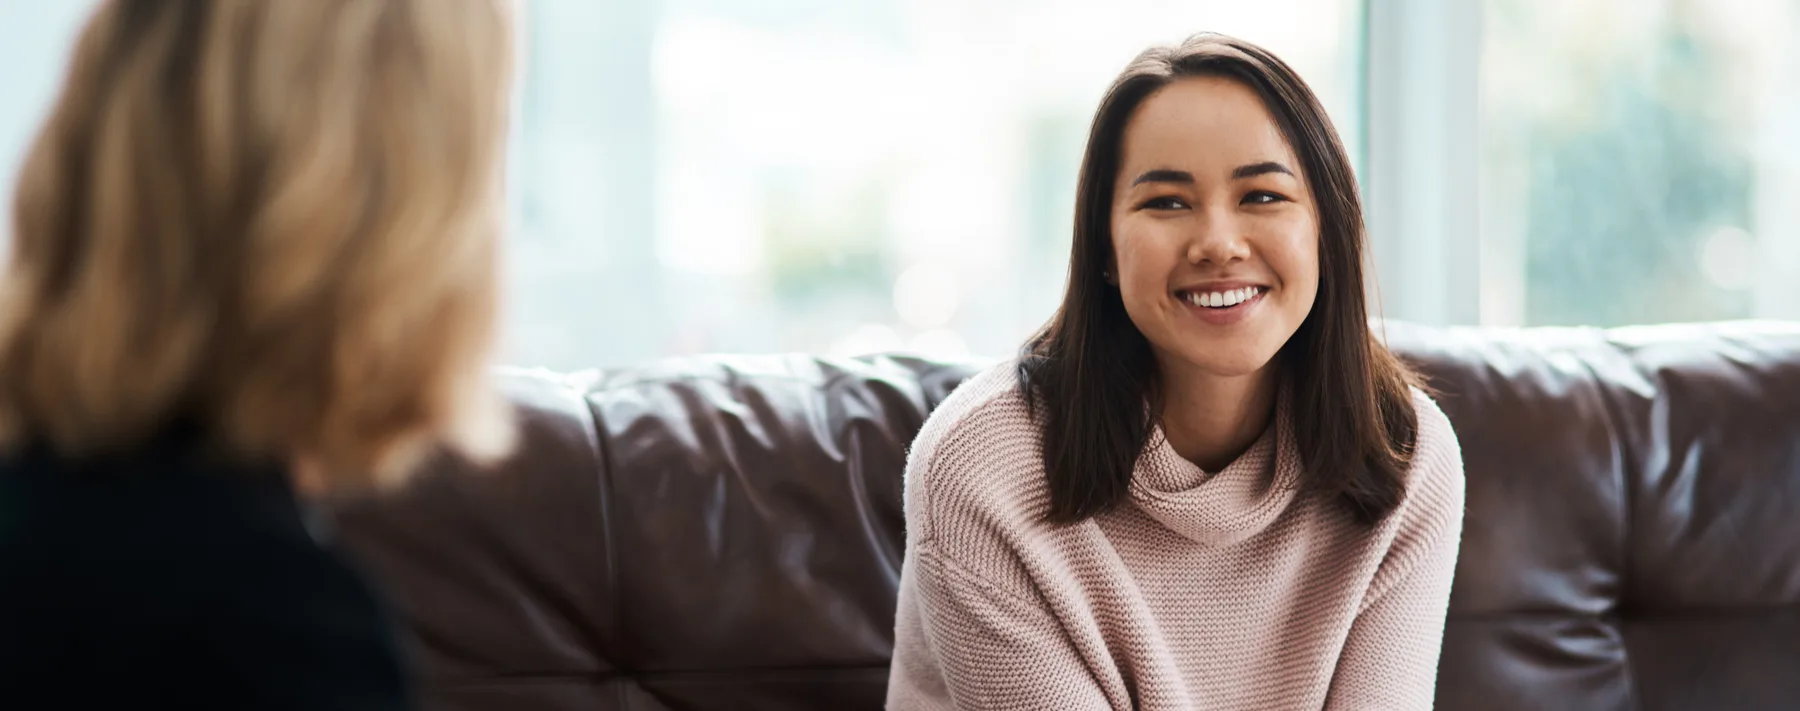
(1254, 169)
(1165, 176)
(1251, 170)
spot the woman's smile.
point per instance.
(1222, 304)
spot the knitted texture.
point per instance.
(1221, 590)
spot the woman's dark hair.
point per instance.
(1089, 372)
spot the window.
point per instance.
(829, 176)
(844, 176)
(1640, 161)
(35, 38)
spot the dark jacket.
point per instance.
(167, 580)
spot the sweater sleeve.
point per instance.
(1390, 659)
(976, 646)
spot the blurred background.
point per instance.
(850, 176)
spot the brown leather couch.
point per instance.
(725, 533)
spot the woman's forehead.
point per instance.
(1203, 124)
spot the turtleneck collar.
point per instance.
(1219, 509)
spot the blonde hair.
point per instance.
(275, 220)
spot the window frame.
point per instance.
(1421, 178)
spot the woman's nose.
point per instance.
(1217, 239)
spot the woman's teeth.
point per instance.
(1220, 299)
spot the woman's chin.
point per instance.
(1217, 362)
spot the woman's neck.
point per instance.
(1211, 420)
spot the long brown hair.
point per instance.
(1089, 372)
(272, 222)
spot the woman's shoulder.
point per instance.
(161, 511)
(1437, 454)
(154, 512)
(979, 454)
(1434, 499)
(986, 403)
(224, 546)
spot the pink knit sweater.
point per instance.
(1208, 591)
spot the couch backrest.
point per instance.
(726, 532)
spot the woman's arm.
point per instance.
(964, 644)
(1390, 658)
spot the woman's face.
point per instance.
(1214, 231)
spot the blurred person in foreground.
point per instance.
(253, 261)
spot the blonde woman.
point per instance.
(252, 261)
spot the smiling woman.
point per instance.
(1234, 221)
(1204, 484)
(1210, 171)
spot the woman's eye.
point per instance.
(1163, 203)
(1263, 197)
